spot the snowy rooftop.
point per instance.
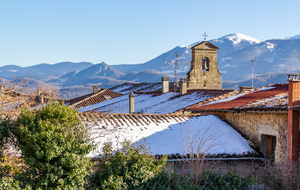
(153, 102)
(126, 88)
(271, 97)
(92, 98)
(167, 133)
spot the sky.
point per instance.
(130, 31)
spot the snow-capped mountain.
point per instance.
(235, 55)
(281, 55)
(234, 61)
(233, 42)
(227, 44)
(290, 38)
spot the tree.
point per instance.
(54, 146)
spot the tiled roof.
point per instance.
(92, 98)
(277, 102)
(126, 88)
(154, 102)
(268, 97)
(206, 43)
(119, 119)
(167, 133)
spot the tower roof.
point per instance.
(205, 45)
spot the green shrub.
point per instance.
(54, 147)
(5, 133)
(129, 168)
(230, 180)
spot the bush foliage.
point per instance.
(54, 146)
(129, 168)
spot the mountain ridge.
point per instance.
(234, 61)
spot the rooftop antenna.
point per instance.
(253, 62)
(175, 72)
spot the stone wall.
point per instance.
(196, 77)
(255, 124)
(241, 167)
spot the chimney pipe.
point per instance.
(183, 89)
(245, 88)
(131, 103)
(95, 89)
(2, 87)
(165, 84)
(293, 118)
(42, 98)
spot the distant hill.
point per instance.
(145, 76)
(283, 55)
(227, 44)
(42, 70)
(234, 61)
(101, 71)
(260, 80)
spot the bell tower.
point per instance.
(204, 73)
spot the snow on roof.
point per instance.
(237, 101)
(238, 95)
(126, 88)
(92, 98)
(166, 134)
(152, 103)
(279, 101)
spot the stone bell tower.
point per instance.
(204, 73)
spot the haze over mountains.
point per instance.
(234, 58)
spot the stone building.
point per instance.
(204, 73)
(268, 116)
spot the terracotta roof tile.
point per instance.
(264, 97)
(93, 98)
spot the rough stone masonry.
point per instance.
(204, 73)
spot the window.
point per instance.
(268, 144)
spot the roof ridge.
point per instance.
(229, 94)
(123, 119)
(139, 114)
(102, 90)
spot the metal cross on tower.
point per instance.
(175, 72)
(205, 35)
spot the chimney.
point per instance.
(131, 103)
(2, 86)
(293, 117)
(42, 98)
(39, 91)
(183, 87)
(165, 84)
(245, 88)
(95, 89)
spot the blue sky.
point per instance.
(127, 31)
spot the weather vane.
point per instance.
(204, 36)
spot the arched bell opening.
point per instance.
(205, 64)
